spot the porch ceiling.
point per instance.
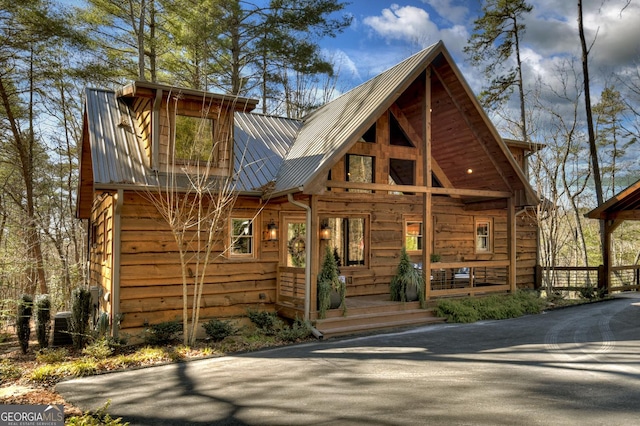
(464, 145)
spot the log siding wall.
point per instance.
(454, 236)
(102, 249)
(151, 277)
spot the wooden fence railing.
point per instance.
(469, 278)
(291, 286)
(574, 278)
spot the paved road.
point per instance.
(575, 366)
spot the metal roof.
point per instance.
(624, 205)
(270, 153)
(116, 154)
(327, 130)
(118, 157)
(260, 145)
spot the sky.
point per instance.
(385, 32)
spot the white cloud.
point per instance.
(618, 33)
(402, 23)
(413, 25)
(445, 8)
(342, 63)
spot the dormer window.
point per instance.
(194, 138)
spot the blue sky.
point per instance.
(385, 32)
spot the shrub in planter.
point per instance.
(23, 322)
(43, 319)
(408, 282)
(328, 283)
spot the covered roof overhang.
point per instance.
(623, 206)
(149, 89)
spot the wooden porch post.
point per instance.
(313, 241)
(427, 197)
(511, 243)
(607, 263)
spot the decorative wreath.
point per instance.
(297, 247)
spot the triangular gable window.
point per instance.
(396, 134)
(369, 135)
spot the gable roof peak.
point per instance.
(328, 132)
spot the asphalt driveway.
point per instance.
(574, 366)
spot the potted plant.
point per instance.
(407, 284)
(331, 290)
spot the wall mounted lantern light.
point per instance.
(272, 231)
(325, 231)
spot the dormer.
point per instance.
(184, 129)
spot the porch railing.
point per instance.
(575, 278)
(469, 278)
(290, 286)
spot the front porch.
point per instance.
(376, 311)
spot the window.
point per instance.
(347, 239)
(369, 135)
(401, 172)
(413, 236)
(360, 169)
(484, 236)
(241, 237)
(194, 138)
(397, 136)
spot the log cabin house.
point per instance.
(408, 158)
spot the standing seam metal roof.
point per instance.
(326, 130)
(116, 153)
(118, 157)
(261, 144)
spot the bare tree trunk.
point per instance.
(597, 178)
(523, 118)
(153, 52)
(24, 149)
(139, 29)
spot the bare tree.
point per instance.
(560, 174)
(195, 200)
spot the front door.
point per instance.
(296, 243)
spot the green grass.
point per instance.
(495, 307)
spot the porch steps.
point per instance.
(371, 315)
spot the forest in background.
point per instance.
(50, 52)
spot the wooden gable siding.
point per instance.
(518, 155)
(102, 248)
(462, 139)
(150, 274)
(142, 108)
(383, 152)
(85, 192)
